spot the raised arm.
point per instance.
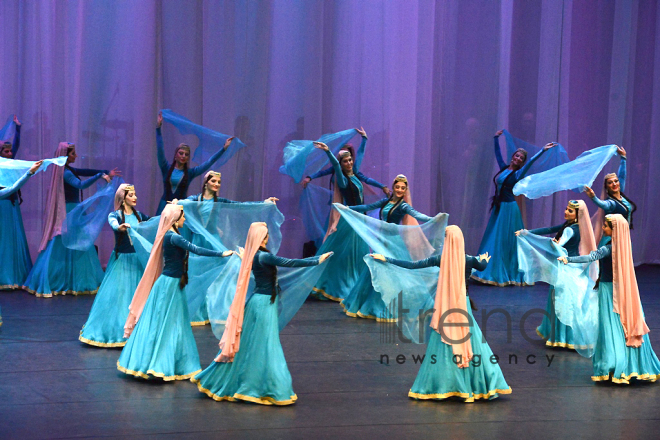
(475, 263)
(89, 171)
(498, 152)
(371, 207)
(419, 264)
(321, 173)
(621, 174)
(357, 160)
(181, 242)
(160, 149)
(525, 168)
(546, 231)
(598, 254)
(274, 260)
(606, 205)
(205, 166)
(423, 218)
(369, 180)
(565, 236)
(75, 182)
(17, 140)
(8, 191)
(342, 182)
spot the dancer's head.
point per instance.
(125, 196)
(5, 150)
(611, 184)
(67, 149)
(571, 212)
(609, 222)
(212, 183)
(182, 155)
(265, 240)
(400, 186)
(346, 157)
(519, 158)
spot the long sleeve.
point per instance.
(423, 218)
(498, 153)
(546, 231)
(205, 166)
(181, 242)
(357, 161)
(371, 207)
(274, 260)
(622, 173)
(160, 149)
(6, 192)
(598, 254)
(565, 236)
(321, 173)
(369, 180)
(17, 142)
(89, 171)
(419, 264)
(605, 205)
(522, 171)
(75, 182)
(114, 222)
(474, 263)
(342, 182)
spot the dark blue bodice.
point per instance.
(174, 253)
(264, 269)
(123, 244)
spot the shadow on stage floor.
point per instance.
(53, 386)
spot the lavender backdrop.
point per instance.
(430, 82)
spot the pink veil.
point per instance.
(587, 238)
(120, 194)
(55, 204)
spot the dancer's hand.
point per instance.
(114, 172)
(549, 145)
(33, 169)
(240, 252)
(321, 146)
(18, 124)
(305, 182)
(521, 232)
(325, 256)
(378, 257)
(106, 178)
(563, 260)
(387, 191)
(227, 253)
(271, 200)
(485, 256)
(499, 133)
(362, 132)
(589, 192)
(621, 151)
(124, 226)
(159, 121)
(228, 142)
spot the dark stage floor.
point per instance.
(52, 386)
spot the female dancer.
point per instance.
(58, 269)
(616, 202)
(208, 196)
(162, 343)
(105, 324)
(577, 237)
(505, 219)
(177, 176)
(457, 361)
(363, 301)
(257, 372)
(623, 349)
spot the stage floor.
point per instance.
(53, 386)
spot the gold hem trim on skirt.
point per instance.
(236, 396)
(322, 292)
(469, 397)
(11, 287)
(199, 323)
(151, 373)
(493, 283)
(63, 292)
(625, 379)
(101, 344)
(555, 344)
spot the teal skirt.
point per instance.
(162, 343)
(556, 333)
(105, 324)
(259, 373)
(365, 302)
(14, 252)
(613, 359)
(439, 378)
(499, 240)
(201, 316)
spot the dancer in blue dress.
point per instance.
(14, 252)
(160, 339)
(499, 237)
(576, 236)
(622, 350)
(363, 301)
(458, 361)
(209, 196)
(59, 270)
(257, 372)
(177, 176)
(105, 324)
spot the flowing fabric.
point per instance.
(626, 300)
(11, 170)
(55, 204)
(302, 159)
(587, 237)
(551, 159)
(574, 175)
(576, 302)
(210, 141)
(8, 131)
(84, 222)
(315, 205)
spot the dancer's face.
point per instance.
(130, 199)
(213, 185)
(181, 220)
(613, 185)
(6, 151)
(570, 214)
(72, 156)
(182, 156)
(347, 163)
(607, 229)
(518, 159)
(265, 242)
(400, 189)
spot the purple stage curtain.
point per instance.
(430, 81)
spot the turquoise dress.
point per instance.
(499, 238)
(14, 252)
(105, 324)
(613, 360)
(555, 332)
(59, 270)
(439, 378)
(162, 343)
(363, 301)
(259, 373)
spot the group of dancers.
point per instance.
(143, 300)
